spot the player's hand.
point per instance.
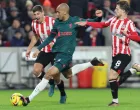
(35, 54)
(51, 44)
(124, 33)
(28, 53)
(99, 13)
(81, 23)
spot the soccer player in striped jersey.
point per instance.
(41, 27)
(122, 30)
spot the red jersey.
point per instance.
(120, 42)
(42, 30)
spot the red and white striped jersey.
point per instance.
(42, 30)
(120, 43)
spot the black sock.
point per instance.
(124, 77)
(51, 81)
(61, 88)
(114, 88)
(42, 75)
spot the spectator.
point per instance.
(3, 3)
(3, 17)
(17, 39)
(93, 36)
(27, 13)
(12, 29)
(107, 9)
(27, 28)
(11, 4)
(14, 14)
(49, 11)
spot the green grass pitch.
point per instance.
(77, 99)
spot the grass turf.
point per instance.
(78, 99)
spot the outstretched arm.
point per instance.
(98, 18)
(96, 24)
(93, 24)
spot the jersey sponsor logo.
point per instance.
(118, 35)
(65, 33)
(64, 66)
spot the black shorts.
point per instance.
(119, 62)
(45, 58)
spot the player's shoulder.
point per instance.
(113, 17)
(57, 20)
(130, 21)
(75, 19)
(49, 17)
(34, 21)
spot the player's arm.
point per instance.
(134, 37)
(93, 24)
(131, 33)
(34, 40)
(96, 24)
(49, 38)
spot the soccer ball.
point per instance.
(16, 99)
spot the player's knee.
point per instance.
(37, 71)
(48, 76)
(113, 75)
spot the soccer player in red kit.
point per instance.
(41, 27)
(122, 30)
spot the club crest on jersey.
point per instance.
(70, 25)
(123, 26)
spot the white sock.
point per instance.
(132, 70)
(80, 67)
(41, 86)
(115, 100)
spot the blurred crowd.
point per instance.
(16, 17)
